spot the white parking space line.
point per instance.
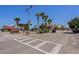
(39, 39)
(50, 42)
(22, 37)
(41, 44)
(32, 46)
(56, 49)
(74, 39)
(32, 41)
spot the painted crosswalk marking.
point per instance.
(32, 41)
(39, 45)
(28, 42)
(32, 46)
(56, 49)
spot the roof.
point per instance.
(8, 27)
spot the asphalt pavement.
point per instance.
(62, 42)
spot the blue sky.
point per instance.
(61, 13)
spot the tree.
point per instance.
(38, 15)
(17, 20)
(28, 12)
(45, 17)
(24, 26)
(42, 14)
(35, 27)
(49, 21)
(74, 22)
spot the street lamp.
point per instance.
(28, 11)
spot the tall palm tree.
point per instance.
(17, 20)
(45, 17)
(38, 15)
(28, 12)
(42, 14)
(49, 21)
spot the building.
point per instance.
(9, 28)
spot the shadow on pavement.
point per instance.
(68, 33)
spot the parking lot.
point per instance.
(61, 42)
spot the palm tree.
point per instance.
(17, 20)
(28, 12)
(35, 27)
(38, 15)
(45, 17)
(42, 14)
(49, 21)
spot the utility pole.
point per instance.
(28, 12)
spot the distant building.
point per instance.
(57, 25)
(60, 27)
(8, 28)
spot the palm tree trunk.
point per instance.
(38, 22)
(17, 23)
(45, 23)
(45, 26)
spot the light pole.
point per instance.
(28, 11)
